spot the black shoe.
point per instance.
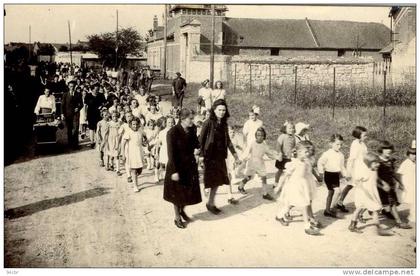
(92, 145)
(213, 209)
(268, 197)
(179, 224)
(184, 216)
(242, 190)
(331, 214)
(387, 214)
(403, 225)
(232, 201)
(342, 208)
(129, 179)
(282, 221)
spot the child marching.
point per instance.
(331, 169)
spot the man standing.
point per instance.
(178, 89)
(71, 104)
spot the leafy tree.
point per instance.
(106, 47)
(46, 49)
(63, 48)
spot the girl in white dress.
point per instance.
(299, 188)
(358, 150)
(151, 132)
(133, 140)
(218, 92)
(407, 170)
(113, 144)
(123, 151)
(251, 126)
(162, 149)
(254, 155)
(204, 97)
(366, 196)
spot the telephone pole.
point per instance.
(212, 46)
(165, 34)
(30, 46)
(71, 55)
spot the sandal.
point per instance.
(242, 190)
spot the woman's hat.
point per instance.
(255, 109)
(412, 149)
(301, 126)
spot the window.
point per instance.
(341, 53)
(274, 51)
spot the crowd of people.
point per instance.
(132, 132)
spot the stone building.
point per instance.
(189, 35)
(403, 46)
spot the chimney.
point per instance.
(155, 22)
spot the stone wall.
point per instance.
(307, 71)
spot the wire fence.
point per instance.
(326, 86)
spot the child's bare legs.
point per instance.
(107, 163)
(101, 157)
(212, 195)
(242, 184)
(277, 177)
(92, 136)
(346, 190)
(329, 200)
(118, 165)
(231, 198)
(397, 217)
(135, 180)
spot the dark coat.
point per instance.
(215, 142)
(179, 84)
(94, 104)
(181, 160)
(69, 103)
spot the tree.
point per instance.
(63, 48)
(105, 46)
(46, 49)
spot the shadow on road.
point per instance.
(247, 202)
(42, 205)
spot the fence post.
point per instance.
(234, 82)
(333, 107)
(250, 78)
(269, 80)
(384, 102)
(295, 86)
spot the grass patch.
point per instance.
(400, 126)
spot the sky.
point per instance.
(49, 22)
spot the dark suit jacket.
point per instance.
(69, 103)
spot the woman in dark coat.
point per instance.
(182, 186)
(94, 101)
(214, 143)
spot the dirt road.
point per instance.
(65, 211)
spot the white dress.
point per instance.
(355, 162)
(135, 155)
(255, 153)
(298, 189)
(217, 94)
(250, 128)
(163, 152)
(366, 191)
(407, 170)
(205, 93)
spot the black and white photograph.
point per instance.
(219, 135)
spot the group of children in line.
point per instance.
(378, 186)
(133, 135)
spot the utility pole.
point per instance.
(165, 34)
(30, 45)
(212, 46)
(71, 55)
(116, 45)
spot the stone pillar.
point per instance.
(189, 45)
